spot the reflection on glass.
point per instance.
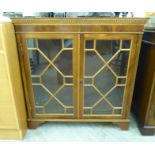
(68, 43)
(119, 63)
(50, 64)
(31, 43)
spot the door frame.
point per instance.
(26, 74)
(131, 70)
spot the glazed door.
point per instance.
(104, 74)
(78, 76)
(49, 63)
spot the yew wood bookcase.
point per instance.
(78, 69)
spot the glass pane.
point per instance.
(68, 80)
(105, 80)
(89, 44)
(88, 80)
(39, 110)
(126, 44)
(50, 47)
(35, 80)
(49, 65)
(118, 111)
(106, 48)
(52, 79)
(87, 111)
(91, 96)
(92, 63)
(69, 111)
(37, 62)
(31, 43)
(102, 108)
(65, 95)
(41, 95)
(120, 63)
(64, 62)
(54, 107)
(121, 81)
(68, 43)
(116, 96)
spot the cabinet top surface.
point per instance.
(79, 21)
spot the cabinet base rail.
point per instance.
(122, 123)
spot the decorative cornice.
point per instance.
(79, 21)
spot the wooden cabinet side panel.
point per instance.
(7, 115)
(151, 117)
(15, 75)
(145, 84)
(131, 74)
(3, 72)
(12, 110)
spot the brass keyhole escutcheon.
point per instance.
(81, 82)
